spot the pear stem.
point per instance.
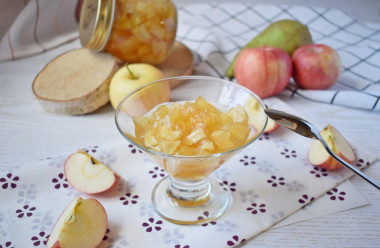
(130, 72)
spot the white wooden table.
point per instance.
(29, 133)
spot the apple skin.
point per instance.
(80, 213)
(56, 245)
(316, 66)
(123, 82)
(319, 157)
(332, 164)
(265, 70)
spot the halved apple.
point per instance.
(87, 174)
(256, 118)
(82, 224)
(318, 156)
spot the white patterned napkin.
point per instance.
(269, 180)
(343, 197)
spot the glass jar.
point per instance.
(131, 30)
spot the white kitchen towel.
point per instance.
(269, 180)
(29, 27)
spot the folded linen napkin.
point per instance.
(269, 180)
(31, 27)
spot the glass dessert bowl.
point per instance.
(190, 130)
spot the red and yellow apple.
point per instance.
(87, 174)
(265, 70)
(131, 77)
(318, 156)
(316, 66)
(82, 224)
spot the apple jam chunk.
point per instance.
(192, 128)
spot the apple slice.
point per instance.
(87, 174)
(318, 156)
(82, 224)
(256, 118)
(271, 126)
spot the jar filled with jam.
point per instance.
(131, 30)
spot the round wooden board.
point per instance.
(76, 82)
(179, 62)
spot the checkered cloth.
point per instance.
(215, 32)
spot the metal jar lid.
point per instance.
(95, 23)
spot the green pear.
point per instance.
(285, 34)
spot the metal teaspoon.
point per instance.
(305, 128)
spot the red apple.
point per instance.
(318, 156)
(265, 70)
(315, 66)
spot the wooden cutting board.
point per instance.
(76, 82)
(179, 62)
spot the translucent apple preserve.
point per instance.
(192, 129)
(131, 30)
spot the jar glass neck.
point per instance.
(96, 23)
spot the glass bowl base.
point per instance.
(191, 212)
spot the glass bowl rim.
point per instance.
(210, 78)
